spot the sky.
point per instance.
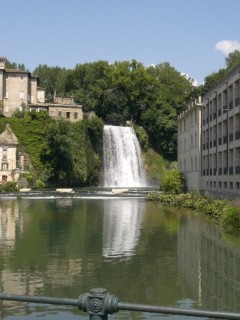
(194, 36)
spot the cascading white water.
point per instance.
(123, 165)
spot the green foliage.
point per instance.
(142, 137)
(231, 61)
(40, 184)
(150, 97)
(60, 152)
(230, 219)
(224, 212)
(9, 186)
(171, 182)
(155, 166)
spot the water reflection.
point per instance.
(122, 222)
(208, 265)
(64, 247)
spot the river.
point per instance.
(140, 251)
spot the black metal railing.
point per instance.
(99, 303)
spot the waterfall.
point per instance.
(123, 166)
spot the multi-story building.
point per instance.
(209, 149)
(221, 137)
(18, 89)
(8, 158)
(189, 144)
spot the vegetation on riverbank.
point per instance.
(58, 153)
(226, 213)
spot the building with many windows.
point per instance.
(189, 144)
(209, 149)
(221, 137)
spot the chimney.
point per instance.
(2, 63)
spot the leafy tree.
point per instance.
(52, 79)
(232, 60)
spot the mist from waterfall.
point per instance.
(123, 165)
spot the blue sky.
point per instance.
(194, 36)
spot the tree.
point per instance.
(232, 60)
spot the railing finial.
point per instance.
(98, 303)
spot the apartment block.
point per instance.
(221, 138)
(189, 145)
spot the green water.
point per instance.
(140, 251)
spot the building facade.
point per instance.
(221, 137)
(8, 155)
(209, 149)
(18, 89)
(189, 145)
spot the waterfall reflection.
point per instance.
(121, 227)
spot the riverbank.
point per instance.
(224, 212)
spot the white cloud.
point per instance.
(227, 46)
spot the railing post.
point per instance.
(98, 303)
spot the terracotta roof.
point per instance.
(8, 137)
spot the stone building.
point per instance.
(8, 155)
(189, 144)
(18, 89)
(64, 107)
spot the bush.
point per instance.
(40, 184)
(10, 186)
(230, 219)
(171, 182)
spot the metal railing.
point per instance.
(99, 303)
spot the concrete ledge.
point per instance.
(25, 190)
(68, 190)
(119, 190)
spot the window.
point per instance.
(4, 166)
(22, 77)
(4, 149)
(68, 115)
(75, 115)
(21, 95)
